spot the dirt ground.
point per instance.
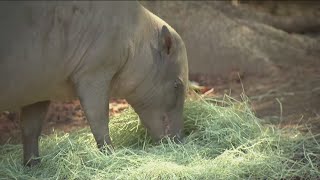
(288, 98)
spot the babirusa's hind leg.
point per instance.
(31, 124)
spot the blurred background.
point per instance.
(270, 50)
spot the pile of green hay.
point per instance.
(223, 142)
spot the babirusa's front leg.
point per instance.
(93, 92)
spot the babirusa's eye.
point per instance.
(177, 83)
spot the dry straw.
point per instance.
(225, 141)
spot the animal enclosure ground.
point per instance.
(290, 97)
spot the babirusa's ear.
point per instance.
(165, 40)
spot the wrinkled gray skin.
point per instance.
(91, 51)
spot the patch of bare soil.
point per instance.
(289, 98)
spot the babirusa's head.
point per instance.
(163, 90)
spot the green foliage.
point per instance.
(223, 142)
